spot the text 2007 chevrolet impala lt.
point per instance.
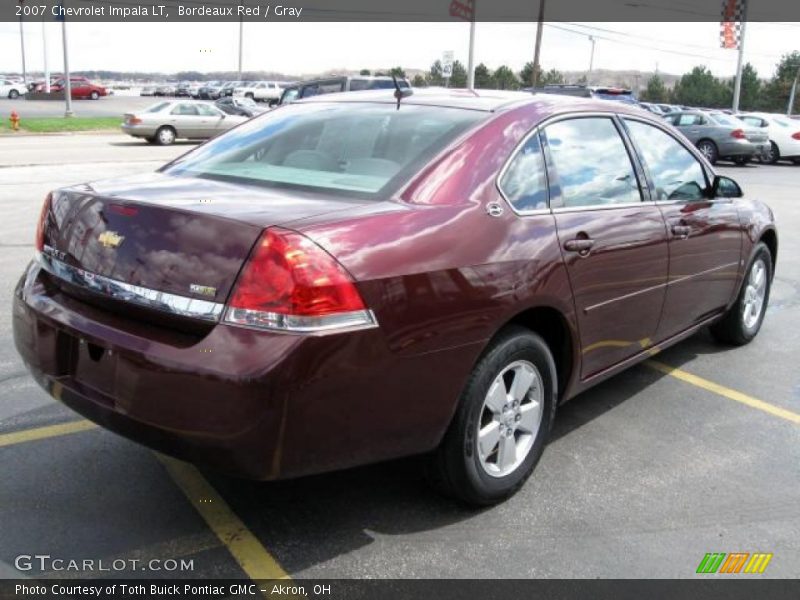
(358, 277)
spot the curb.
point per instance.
(4, 134)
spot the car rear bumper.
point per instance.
(138, 130)
(736, 147)
(260, 405)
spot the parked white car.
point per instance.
(784, 135)
(260, 91)
(11, 89)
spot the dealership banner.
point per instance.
(731, 23)
(403, 589)
(384, 10)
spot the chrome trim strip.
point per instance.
(132, 294)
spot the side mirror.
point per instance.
(725, 187)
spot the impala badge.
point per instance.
(203, 290)
(110, 239)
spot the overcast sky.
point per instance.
(302, 48)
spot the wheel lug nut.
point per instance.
(518, 417)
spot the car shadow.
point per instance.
(309, 521)
(144, 144)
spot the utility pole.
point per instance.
(538, 47)
(67, 83)
(790, 106)
(737, 86)
(591, 61)
(22, 45)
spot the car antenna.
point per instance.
(399, 93)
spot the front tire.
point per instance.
(709, 150)
(165, 136)
(502, 423)
(13, 95)
(95, 96)
(744, 318)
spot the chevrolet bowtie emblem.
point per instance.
(110, 239)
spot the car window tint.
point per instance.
(185, 110)
(676, 173)
(524, 183)
(592, 163)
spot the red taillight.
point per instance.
(291, 283)
(738, 134)
(132, 120)
(796, 136)
(40, 225)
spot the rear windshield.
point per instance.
(352, 148)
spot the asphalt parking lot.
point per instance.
(698, 452)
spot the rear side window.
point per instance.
(524, 183)
(676, 174)
(185, 110)
(591, 162)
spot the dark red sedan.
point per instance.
(81, 88)
(348, 279)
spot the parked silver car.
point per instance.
(720, 136)
(164, 122)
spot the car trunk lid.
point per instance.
(174, 235)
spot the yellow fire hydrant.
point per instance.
(14, 118)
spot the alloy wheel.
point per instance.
(510, 418)
(754, 294)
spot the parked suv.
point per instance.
(332, 85)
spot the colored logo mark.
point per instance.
(735, 562)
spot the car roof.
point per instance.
(482, 100)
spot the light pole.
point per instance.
(44, 51)
(737, 86)
(471, 57)
(790, 106)
(241, 41)
(22, 46)
(591, 61)
(67, 83)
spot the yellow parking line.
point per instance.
(249, 552)
(40, 433)
(727, 392)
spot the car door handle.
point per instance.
(579, 245)
(681, 231)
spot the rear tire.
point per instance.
(709, 150)
(774, 154)
(744, 318)
(502, 422)
(95, 96)
(165, 136)
(796, 161)
(150, 140)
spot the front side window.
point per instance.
(189, 110)
(206, 111)
(352, 148)
(591, 162)
(676, 173)
(524, 183)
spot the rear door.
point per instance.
(614, 243)
(705, 236)
(690, 125)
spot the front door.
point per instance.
(614, 244)
(704, 236)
